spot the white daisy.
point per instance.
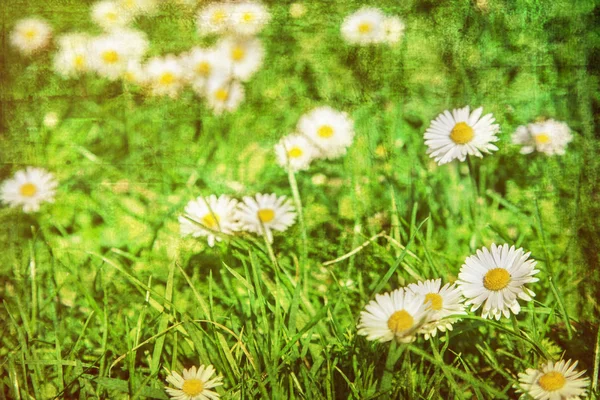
(496, 279)
(442, 302)
(201, 65)
(73, 56)
(134, 72)
(30, 35)
(214, 18)
(109, 56)
(554, 381)
(454, 135)
(295, 152)
(223, 95)
(266, 213)
(164, 76)
(29, 188)
(249, 18)
(136, 42)
(365, 26)
(207, 215)
(550, 137)
(397, 315)
(393, 29)
(110, 15)
(244, 53)
(195, 384)
(331, 131)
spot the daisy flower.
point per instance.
(214, 18)
(397, 315)
(136, 42)
(266, 213)
(550, 137)
(134, 72)
(441, 302)
(195, 384)
(30, 35)
(454, 135)
(110, 15)
(201, 65)
(209, 214)
(73, 56)
(329, 130)
(249, 18)
(554, 381)
(109, 56)
(29, 188)
(295, 152)
(364, 27)
(164, 76)
(393, 30)
(244, 53)
(496, 279)
(223, 95)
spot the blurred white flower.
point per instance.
(134, 72)
(265, 213)
(245, 54)
(30, 35)
(138, 7)
(460, 133)
(109, 15)
(549, 137)
(553, 381)
(202, 65)
(164, 76)
(195, 384)
(249, 18)
(295, 152)
(51, 119)
(73, 56)
(365, 26)
(393, 29)
(297, 10)
(209, 214)
(109, 56)
(29, 188)
(223, 94)
(214, 18)
(331, 131)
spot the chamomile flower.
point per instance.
(295, 152)
(164, 76)
(397, 315)
(244, 53)
(266, 213)
(136, 42)
(249, 18)
(203, 215)
(223, 94)
(496, 279)
(195, 384)
(553, 381)
(393, 30)
(202, 65)
(110, 15)
(29, 188)
(109, 56)
(331, 131)
(549, 137)
(30, 35)
(364, 27)
(73, 56)
(214, 18)
(441, 302)
(460, 133)
(134, 72)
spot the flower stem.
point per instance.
(298, 203)
(394, 353)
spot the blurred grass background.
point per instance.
(128, 164)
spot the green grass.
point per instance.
(100, 293)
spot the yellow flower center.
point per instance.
(496, 279)
(462, 133)
(552, 381)
(295, 152)
(238, 54)
(221, 94)
(30, 33)
(218, 16)
(166, 79)
(79, 61)
(110, 56)
(247, 17)
(111, 16)
(130, 3)
(400, 321)
(365, 27)
(435, 300)
(211, 221)
(203, 68)
(266, 215)
(192, 387)
(542, 138)
(325, 131)
(28, 190)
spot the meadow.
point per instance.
(102, 296)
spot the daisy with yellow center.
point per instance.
(265, 213)
(398, 315)
(195, 384)
(393, 29)
(549, 137)
(109, 56)
(295, 152)
(201, 65)
(496, 279)
(442, 302)
(460, 133)
(249, 18)
(29, 188)
(110, 15)
(553, 381)
(330, 131)
(223, 94)
(364, 27)
(164, 76)
(244, 55)
(208, 216)
(214, 18)
(30, 35)
(73, 56)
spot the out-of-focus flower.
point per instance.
(249, 18)
(245, 55)
(30, 35)
(203, 215)
(109, 15)
(73, 56)
(29, 188)
(331, 131)
(364, 27)
(393, 30)
(214, 18)
(265, 213)
(297, 10)
(223, 94)
(549, 137)
(295, 152)
(164, 76)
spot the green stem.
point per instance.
(298, 203)
(394, 353)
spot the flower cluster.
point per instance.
(370, 25)
(215, 217)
